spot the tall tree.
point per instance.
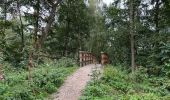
(51, 18)
(21, 25)
(132, 41)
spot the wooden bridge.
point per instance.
(86, 58)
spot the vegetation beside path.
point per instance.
(118, 84)
(46, 78)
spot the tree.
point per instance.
(132, 41)
(70, 30)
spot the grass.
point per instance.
(117, 84)
(46, 79)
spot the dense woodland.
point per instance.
(40, 41)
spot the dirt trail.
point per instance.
(75, 83)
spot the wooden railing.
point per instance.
(86, 58)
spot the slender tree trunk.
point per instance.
(5, 18)
(21, 26)
(67, 32)
(132, 40)
(67, 37)
(79, 40)
(157, 16)
(36, 25)
(30, 65)
(3, 35)
(34, 42)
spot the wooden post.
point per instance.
(80, 58)
(104, 58)
(88, 58)
(91, 58)
(85, 58)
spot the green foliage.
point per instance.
(164, 54)
(117, 84)
(67, 62)
(71, 29)
(151, 29)
(95, 75)
(46, 78)
(99, 90)
(50, 87)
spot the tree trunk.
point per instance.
(51, 19)
(30, 65)
(36, 26)
(21, 26)
(34, 42)
(132, 40)
(3, 36)
(157, 16)
(67, 37)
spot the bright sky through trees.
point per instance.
(107, 1)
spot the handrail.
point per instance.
(86, 58)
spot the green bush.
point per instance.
(112, 74)
(66, 62)
(17, 92)
(49, 87)
(45, 79)
(116, 84)
(98, 90)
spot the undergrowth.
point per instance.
(117, 84)
(46, 78)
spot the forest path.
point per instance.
(75, 83)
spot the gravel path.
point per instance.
(74, 84)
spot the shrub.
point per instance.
(49, 87)
(98, 90)
(116, 84)
(66, 62)
(45, 79)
